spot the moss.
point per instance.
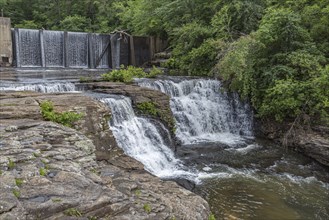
(73, 212)
(147, 208)
(211, 217)
(36, 154)
(64, 118)
(16, 193)
(56, 200)
(138, 192)
(153, 109)
(11, 164)
(148, 108)
(43, 171)
(84, 79)
(19, 182)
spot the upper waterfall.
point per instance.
(204, 112)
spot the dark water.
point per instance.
(259, 181)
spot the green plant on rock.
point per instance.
(147, 208)
(211, 217)
(138, 192)
(84, 79)
(16, 193)
(19, 182)
(72, 212)
(124, 74)
(64, 118)
(11, 164)
(154, 72)
(43, 171)
(148, 108)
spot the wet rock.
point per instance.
(313, 142)
(138, 96)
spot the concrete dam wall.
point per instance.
(43, 48)
(61, 49)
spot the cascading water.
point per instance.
(242, 180)
(141, 139)
(29, 48)
(54, 48)
(77, 53)
(204, 113)
(40, 87)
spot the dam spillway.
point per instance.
(63, 49)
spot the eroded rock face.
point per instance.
(49, 171)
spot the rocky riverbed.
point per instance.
(49, 171)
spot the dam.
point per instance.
(29, 48)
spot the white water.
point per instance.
(205, 113)
(141, 139)
(40, 87)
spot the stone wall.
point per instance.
(6, 53)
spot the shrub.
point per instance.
(124, 75)
(64, 118)
(148, 108)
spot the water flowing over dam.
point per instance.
(62, 49)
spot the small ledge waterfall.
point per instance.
(41, 87)
(141, 139)
(205, 113)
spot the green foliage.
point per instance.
(272, 52)
(211, 217)
(124, 74)
(43, 171)
(138, 192)
(73, 212)
(84, 79)
(279, 68)
(148, 108)
(74, 23)
(16, 193)
(127, 75)
(19, 182)
(11, 164)
(147, 208)
(28, 25)
(154, 72)
(64, 118)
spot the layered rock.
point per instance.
(49, 171)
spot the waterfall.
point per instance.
(204, 112)
(77, 51)
(54, 48)
(40, 87)
(29, 48)
(141, 139)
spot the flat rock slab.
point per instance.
(49, 171)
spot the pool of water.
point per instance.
(259, 180)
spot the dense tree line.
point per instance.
(275, 53)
